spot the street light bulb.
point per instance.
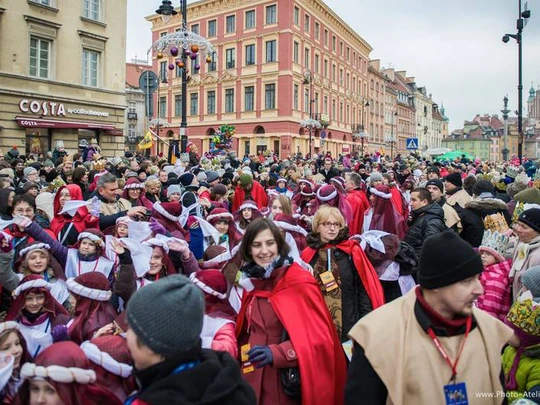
(166, 18)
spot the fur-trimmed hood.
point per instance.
(487, 204)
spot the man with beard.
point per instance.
(433, 336)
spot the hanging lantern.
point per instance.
(197, 66)
(171, 66)
(174, 51)
(194, 48)
(159, 55)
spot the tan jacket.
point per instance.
(451, 217)
(115, 207)
(413, 370)
(461, 198)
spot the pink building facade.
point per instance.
(277, 63)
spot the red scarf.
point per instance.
(363, 266)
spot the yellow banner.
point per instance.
(147, 141)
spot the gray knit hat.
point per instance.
(530, 278)
(28, 170)
(167, 316)
(173, 188)
(375, 176)
(211, 176)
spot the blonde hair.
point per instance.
(151, 183)
(285, 204)
(323, 213)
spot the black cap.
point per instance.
(436, 182)
(531, 217)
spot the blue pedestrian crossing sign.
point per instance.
(412, 143)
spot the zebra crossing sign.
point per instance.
(412, 143)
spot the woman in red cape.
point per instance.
(353, 288)
(283, 323)
(71, 381)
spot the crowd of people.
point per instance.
(315, 279)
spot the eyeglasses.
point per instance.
(329, 225)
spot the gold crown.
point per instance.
(525, 314)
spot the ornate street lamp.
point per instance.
(166, 11)
(311, 125)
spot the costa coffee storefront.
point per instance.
(40, 124)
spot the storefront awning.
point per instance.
(31, 122)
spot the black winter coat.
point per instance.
(215, 380)
(425, 222)
(473, 215)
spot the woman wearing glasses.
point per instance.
(283, 325)
(346, 278)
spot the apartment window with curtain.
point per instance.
(271, 51)
(91, 9)
(194, 103)
(271, 14)
(90, 68)
(40, 57)
(230, 25)
(230, 58)
(211, 102)
(177, 105)
(295, 97)
(270, 96)
(250, 54)
(212, 28)
(249, 98)
(250, 19)
(229, 100)
(296, 51)
(162, 107)
(296, 16)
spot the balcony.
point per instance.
(132, 116)
(324, 119)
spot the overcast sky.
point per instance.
(453, 48)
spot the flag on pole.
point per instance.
(147, 141)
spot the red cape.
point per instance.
(365, 269)
(359, 204)
(299, 306)
(258, 193)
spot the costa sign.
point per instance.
(42, 107)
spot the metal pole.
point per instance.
(505, 139)
(310, 115)
(520, 84)
(183, 124)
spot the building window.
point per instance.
(306, 23)
(325, 37)
(325, 105)
(334, 73)
(326, 68)
(249, 98)
(212, 28)
(316, 63)
(295, 97)
(211, 102)
(162, 107)
(212, 65)
(306, 58)
(306, 100)
(250, 54)
(194, 104)
(162, 34)
(195, 28)
(341, 48)
(90, 68)
(177, 105)
(334, 43)
(296, 16)
(40, 57)
(296, 50)
(270, 96)
(250, 19)
(271, 53)
(91, 9)
(317, 30)
(229, 100)
(230, 24)
(44, 2)
(230, 58)
(271, 14)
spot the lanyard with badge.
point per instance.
(327, 278)
(455, 393)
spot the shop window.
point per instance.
(37, 141)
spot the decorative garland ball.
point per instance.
(193, 56)
(187, 52)
(181, 64)
(171, 66)
(174, 51)
(208, 59)
(197, 66)
(159, 55)
(194, 48)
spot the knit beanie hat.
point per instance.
(211, 176)
(447, 259)
(531, 217)
(245, 180)
(174, 324)
(174, 188)
(455, 179)
(437, 183)
(483, 186)
(375, 176)
(531, 280)
(186, 179)
(29, 170)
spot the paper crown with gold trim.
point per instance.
(512, 171)
(525, 314)
(495, 243)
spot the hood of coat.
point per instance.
(216, 379)
(487, 205)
